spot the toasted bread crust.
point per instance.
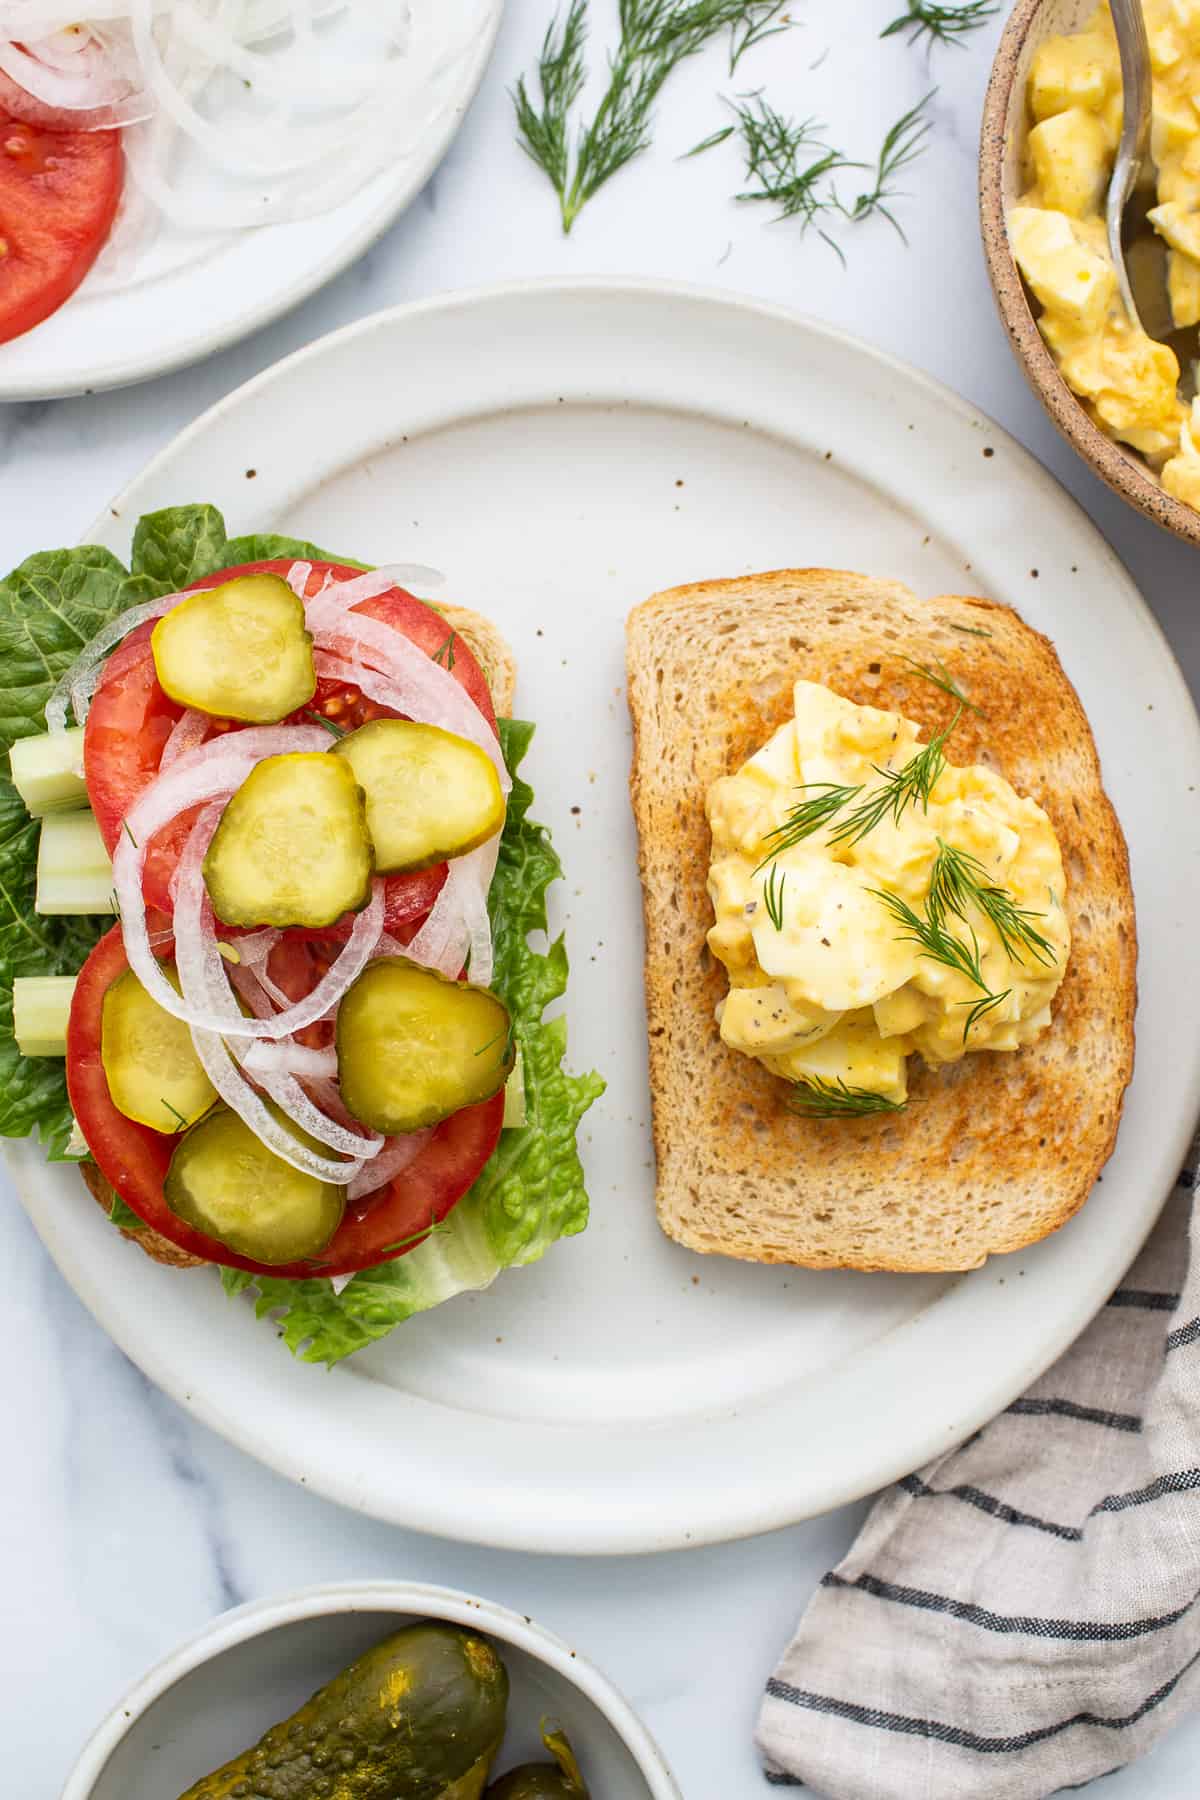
(992, 1153)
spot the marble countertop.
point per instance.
(124, 1525)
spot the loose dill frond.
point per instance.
(756, 31)
(971, 630)
(808, 817)
(318, 718)
(445, 652)
(938, 944)
(912, 785)
(180, 1121)
(942, 678)
(941, 24)
(773, 895)
(656, 36)
(959, 880)
(561, 73)
(905, 141)
(815, 1098)
(788, 164)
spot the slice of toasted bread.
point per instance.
(993, 1152)
(494, 655)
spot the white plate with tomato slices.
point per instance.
(100, 286)
(623, 1394)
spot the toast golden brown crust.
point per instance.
(494, 655)
(993, 1152)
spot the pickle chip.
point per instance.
(224, 1182)
(414, 1047)
(430, 795)
(150, 1062)
(238, 651)
(292, 847)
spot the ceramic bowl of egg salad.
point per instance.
(1123, 396)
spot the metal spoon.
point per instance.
(1130, 27)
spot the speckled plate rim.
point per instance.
(52, 381)
(1123, 472)
(258, 1617)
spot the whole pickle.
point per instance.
(419, 1717)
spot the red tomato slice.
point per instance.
(131, 718)
(135, 1159)
(58, 197)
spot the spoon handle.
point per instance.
(1130, 27)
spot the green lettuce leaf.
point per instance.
(124, 1216)
(181, 544)
(50, 607)
(531, 1192)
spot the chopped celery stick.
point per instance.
(514, 1096)
(47, 771)
(74, 873)
(41, 1008)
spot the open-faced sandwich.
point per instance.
(269, 878)
(890, 945)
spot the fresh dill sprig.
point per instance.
(181, 1122)
(959, 880)
(773, 895)
(318, 718)
(788, 163)
(815, 1098)
(942, 24)
(752, 31)
(911, 785)
(939, 945)
(808, 817)
(942, 678)
(971, 630)
(561, 74)
(445, 650)
(656, 36)
(905, 141)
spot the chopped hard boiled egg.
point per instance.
(830, 983)
(1127, 381)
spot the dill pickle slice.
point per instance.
(414, 1047)
(224, 1182)
(430, 795)
(150, 1062)
(292, 847)
(238, 651)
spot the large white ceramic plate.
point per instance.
(561, 452)
(186, 295)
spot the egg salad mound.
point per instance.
(872, 900)
(1128, 382)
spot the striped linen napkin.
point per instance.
(1023, 1615)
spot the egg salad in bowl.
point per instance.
(1127, 381)
(873, 901)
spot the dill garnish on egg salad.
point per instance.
(875, 901)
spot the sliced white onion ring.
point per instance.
(194, 953)
(188, 733)
(396, 1155)
(75, 688)
(290, 1058)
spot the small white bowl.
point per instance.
(222, 1689)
